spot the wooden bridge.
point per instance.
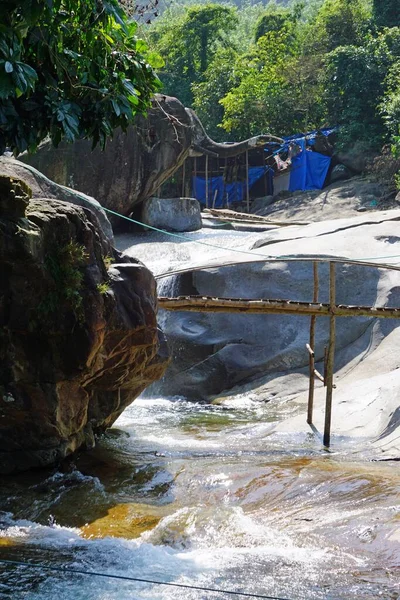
(312, 309)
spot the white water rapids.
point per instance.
(205, 495)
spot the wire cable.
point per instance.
(249, 252)
(183, 237)
(20, 563)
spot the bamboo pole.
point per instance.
(270, 260)
(318, 375)
(195, 177)
(331, 356)
(312, 345)
(247, 182)
(183, 178)
(207, 181)
(215, 197)
(237, 305)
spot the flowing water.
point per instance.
(209, 496)
(204, 495)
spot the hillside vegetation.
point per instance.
(285, 67)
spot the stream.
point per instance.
(206, 495)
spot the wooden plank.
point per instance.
(331, 356)
(237, 305)
(311, 346)
(227, 214)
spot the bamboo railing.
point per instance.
(313, 309)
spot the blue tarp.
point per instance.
(309, 169)
(235, 191)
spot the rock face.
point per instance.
(42, 187)
(78, 330)
(135, 164)
(172, 214)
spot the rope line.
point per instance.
(250, 252)
(183, 237)
(20, 563)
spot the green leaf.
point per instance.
(116, 107)
(8, 67)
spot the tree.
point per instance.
(218, 80)
(189, 44)
(273, 20)
(69, 69)
(356, 86)
(339, 23)
(386, 13)
(258, 103)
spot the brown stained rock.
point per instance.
(78, 342)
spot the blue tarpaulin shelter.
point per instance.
(233, 192)
(309, 169)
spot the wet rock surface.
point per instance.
(78, 330)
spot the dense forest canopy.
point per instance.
(250, 67)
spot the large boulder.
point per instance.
(135, 164)
(132, 166)
(78, 329)
(42, 187)
(172, 214)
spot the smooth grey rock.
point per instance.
(259, 204)
(172, 214)
(213, 352)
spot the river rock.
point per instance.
(172, 214)
(78, 329)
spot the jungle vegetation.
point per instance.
(250, 68)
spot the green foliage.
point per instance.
(69, 69)
(314, 63)
(274, 20)
(272, 90)
(65, 267)
(339, 23)
(219, 79)
(189, 44)
(103, 287)
(356, 85)
(386, 13)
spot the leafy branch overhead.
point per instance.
(70, 69)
